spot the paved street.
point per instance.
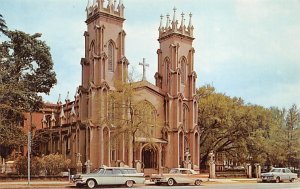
(208, 185)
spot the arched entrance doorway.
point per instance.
(150, 157)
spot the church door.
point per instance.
(149, 157)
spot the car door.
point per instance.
(119, 177)
(183, 177)
(288, 174)
(284, 174)
(107, 177)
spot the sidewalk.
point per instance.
(208, 180)
(220, 180)
(24, 184)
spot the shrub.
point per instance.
(36, 165)
(51, 164)
(55, 163)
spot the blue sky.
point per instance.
(244, 48)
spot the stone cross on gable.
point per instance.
(88, 164)
(78, 156)
(144, 68)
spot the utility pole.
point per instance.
(29, 146)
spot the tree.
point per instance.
(26, 70)
(284, 143)
(129, 117)
(231, 127)
(3, 26)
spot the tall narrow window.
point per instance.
(110, 57)
(185, 121)
(180, 111)
(183, 70)
(112, 110)
(167, 68)
(184, 117)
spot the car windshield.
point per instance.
(99, 170)
(275, 171)
(174, 171)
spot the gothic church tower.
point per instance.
(177, 78)
(103, 64)
(104, 60)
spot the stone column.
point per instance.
(212, 170)
(88, 165)
(78, 164)
(138, 166)
(249, 170)
(212, 165)
(257, 170)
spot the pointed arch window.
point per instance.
(185, 117)
(111, 112)
(111, 56)
(167, 68)
(183, 70)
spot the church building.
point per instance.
(77, 128)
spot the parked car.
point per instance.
(177, 176)
(110, 176)
(278, 175)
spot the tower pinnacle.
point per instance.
(167, 23)
(171, 26)
(95, 6)
(161, 28)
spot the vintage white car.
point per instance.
(110, 176)
(278, 175)
(177, 176)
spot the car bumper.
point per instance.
(267, 179)
(79, 181)
(158, 180)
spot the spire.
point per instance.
(76, 92)
(59, 99)
(100, 3)
(73, 112)
(114, 5)
(161, 28)
(190, 27)
(174, 21)
(190, 22)
(167, 23)
(110, 6)
(182, 22)
(89, 6)
(62, 113)
(67, 97)
(121, 2)
(52, 117)
(95, 3)
(121, 8)
(44, 121)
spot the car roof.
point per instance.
(182, 168)
(117, 168)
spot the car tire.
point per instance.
(91, 183)
(277, 180)
(129, 183)
(171, 182)
(197, 182)
(79, 185)
(292, 180)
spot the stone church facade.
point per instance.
(74, 128)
